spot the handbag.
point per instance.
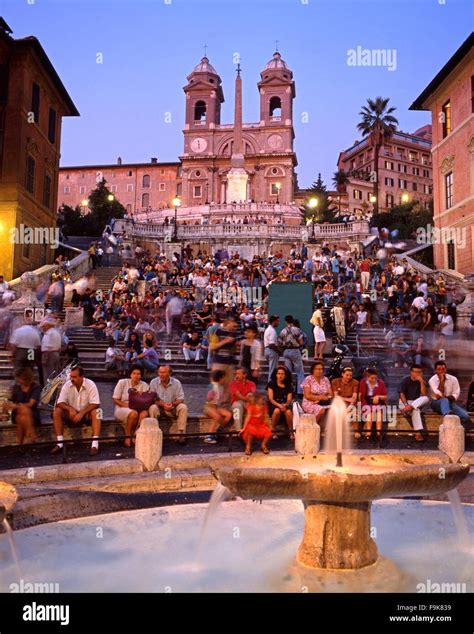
(140, 401)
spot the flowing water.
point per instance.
(460, 521)
(220, 494)
(337, 438)
(11, 539)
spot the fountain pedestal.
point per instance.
(337, 536)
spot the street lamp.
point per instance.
(312, 204)
(405, 198)
(373, 198)
(84, 205)
(278, 187)
(176, 204)
(110, 198)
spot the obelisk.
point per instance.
(237, 177)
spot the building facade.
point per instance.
(450, 97)
(267, 145)
(33, 101)
(405, 171)
(137, 186)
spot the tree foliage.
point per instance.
(325, 211)
(74, 222)
(405, 218)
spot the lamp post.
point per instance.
(312, 204)
(176, 204)
(84, 205)
(405, 198)
(278, 187)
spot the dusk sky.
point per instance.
(150, 46)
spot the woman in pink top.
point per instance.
(317, 391)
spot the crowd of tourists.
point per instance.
(214, 308)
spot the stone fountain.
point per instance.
(337, 489)
(8, 499)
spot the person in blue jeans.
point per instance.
(291, 340)
(445, 392)
(148, 359)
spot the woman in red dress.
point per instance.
(254, 424)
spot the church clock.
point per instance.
(198, 145)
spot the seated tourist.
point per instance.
(373, 397)
(192, 347)
(348, 389)
(148, 359)
(445, 392)
(114, 358)
(280, 398)
(317, 391)
(132, 349)
(78, 404)
(23, 404)
(413, 396)
(240, 390)
(217, 405)
(170, 400)
(470, 398)
(98, 328)
(124, 413)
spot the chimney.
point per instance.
(119, 160)
(154, 160)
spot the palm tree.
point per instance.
(340, 180)
(378, 125)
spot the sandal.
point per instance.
(292, 436)
(265, 450)
(248, 452)
(274, 437)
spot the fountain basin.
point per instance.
(337, 500)
(362, 478)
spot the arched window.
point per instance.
(145, 200)
(146, 180)
(275, 107)
(200, 111)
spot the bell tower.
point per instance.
(277, 91)
(204, 97)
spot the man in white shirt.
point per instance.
(445, 391)
(50, 347)
(399, 270)
(109, 251)
(78, 404)
(270, 343)
(446, 323)
(419, 302)
(25, 346)
(170, 401)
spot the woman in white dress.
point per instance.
(123, 412)
(318, 332)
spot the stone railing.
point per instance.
(79, 265)
(231, 230)
(210, 209)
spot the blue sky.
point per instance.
(150, 46)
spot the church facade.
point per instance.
(269, 159)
